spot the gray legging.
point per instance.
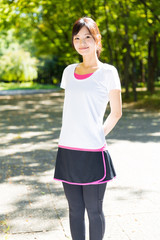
(89, 197)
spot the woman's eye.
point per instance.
(76, 38)
(87, 36)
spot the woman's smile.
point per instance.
(84, 43)
(83, 48)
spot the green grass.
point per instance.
(25, 85)
(145, 100)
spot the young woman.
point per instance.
(83, 163)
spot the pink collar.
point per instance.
(82, 76)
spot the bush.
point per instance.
(17, 65)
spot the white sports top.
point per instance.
(84, 107)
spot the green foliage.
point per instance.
(43, 28)
(24, 85)
(17, 65)
(145, 100)
(49, 70)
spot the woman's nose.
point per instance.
(82, 41)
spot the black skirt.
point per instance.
(83, 167)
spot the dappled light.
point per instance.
(30, 127)
(31, 202)
(137, 126)
(38, 41)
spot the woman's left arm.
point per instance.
(116, 111)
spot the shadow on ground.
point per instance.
(29, 131)
(137, 126)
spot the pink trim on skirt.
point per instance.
(92, 150)
(85, 149)
(91, 183)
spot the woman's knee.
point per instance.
(74, 195)
(95, 210)
(76, 212)
(93, 197)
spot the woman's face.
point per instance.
(84, 43)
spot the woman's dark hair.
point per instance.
(92, 27)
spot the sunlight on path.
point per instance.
(33, 206)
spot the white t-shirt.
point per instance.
(85, 103)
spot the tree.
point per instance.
(17, 65)
(43, 27)
(152, 12)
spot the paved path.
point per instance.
(25, 92)
(33, 207)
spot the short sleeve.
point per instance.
(112, 80)
(64, 79)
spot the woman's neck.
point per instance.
(90, 62)
(89, 65)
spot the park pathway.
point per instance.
(33, 206)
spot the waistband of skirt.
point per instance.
(85, 149)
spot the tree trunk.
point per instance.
(126, 69)
(108, 35)
(126, 61)
(152, 62)
(125, 15)
(142, 71)
(134, 82)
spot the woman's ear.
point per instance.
(98, 41)
(99, 37)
